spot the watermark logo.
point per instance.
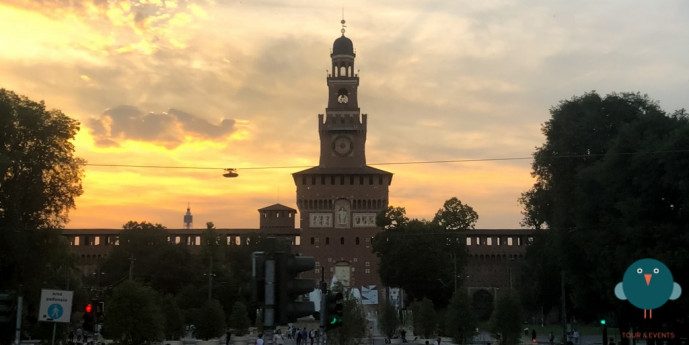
(647, 284)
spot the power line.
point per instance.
(588, 155)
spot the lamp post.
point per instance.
(210, 275)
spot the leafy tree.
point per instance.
(392, 217)
(439, 256)
(173, 318)
(144, 248)
(239, 319)
(460, 322)
(456, 216)
(39, 180)
(210, 320)
(425, 318)
(388, 322)
(133, 315)
(506, 321)
(611, 187)
(354, 325)
(40, 175)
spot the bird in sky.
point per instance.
(647, 284)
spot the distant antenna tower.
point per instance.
(188, 218)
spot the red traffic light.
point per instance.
(89, 308)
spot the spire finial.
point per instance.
(343, 23)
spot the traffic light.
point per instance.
(89, 318)
(334, 307)
(289, 287)
(6, 306)
(604, 331)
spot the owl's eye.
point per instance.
(639, 270)
(655, 270)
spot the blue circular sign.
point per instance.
(55, 311)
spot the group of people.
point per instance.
(302, 336)
(573, 337)
(79, 337)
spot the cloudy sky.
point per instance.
(224, 83)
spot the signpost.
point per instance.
(56, 306)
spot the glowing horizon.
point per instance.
(237, 85)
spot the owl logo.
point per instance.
(647, 284)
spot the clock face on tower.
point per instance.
(342, 145)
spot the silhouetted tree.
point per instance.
(39, 180)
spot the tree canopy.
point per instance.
(39, 175)
(40, 178)
(611, 187)
(437, 248)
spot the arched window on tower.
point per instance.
(327, 241)
(341, 240)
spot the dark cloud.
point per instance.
(167, 128)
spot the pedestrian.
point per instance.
(259, 339)
(533, 335)
(277, 338)
(312, 335)
(304, 336)
(575, 337)
(228, 335)
(299, 338)
(437, 341)
(551, 338)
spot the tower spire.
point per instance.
(343, 23)
(188, 218)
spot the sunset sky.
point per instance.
(239, 84)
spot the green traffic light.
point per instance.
(602, 322)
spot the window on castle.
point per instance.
(370, 180)
(313, 240)
(341, 240)
(323, 179)
(327, 241)
(342, 179)
(356, 240)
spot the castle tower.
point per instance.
(338, 200)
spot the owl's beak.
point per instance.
(648, 279)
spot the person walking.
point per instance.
(551, 338)
(259, 339)
(533, 335)
(299, 337)
(277, 338)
